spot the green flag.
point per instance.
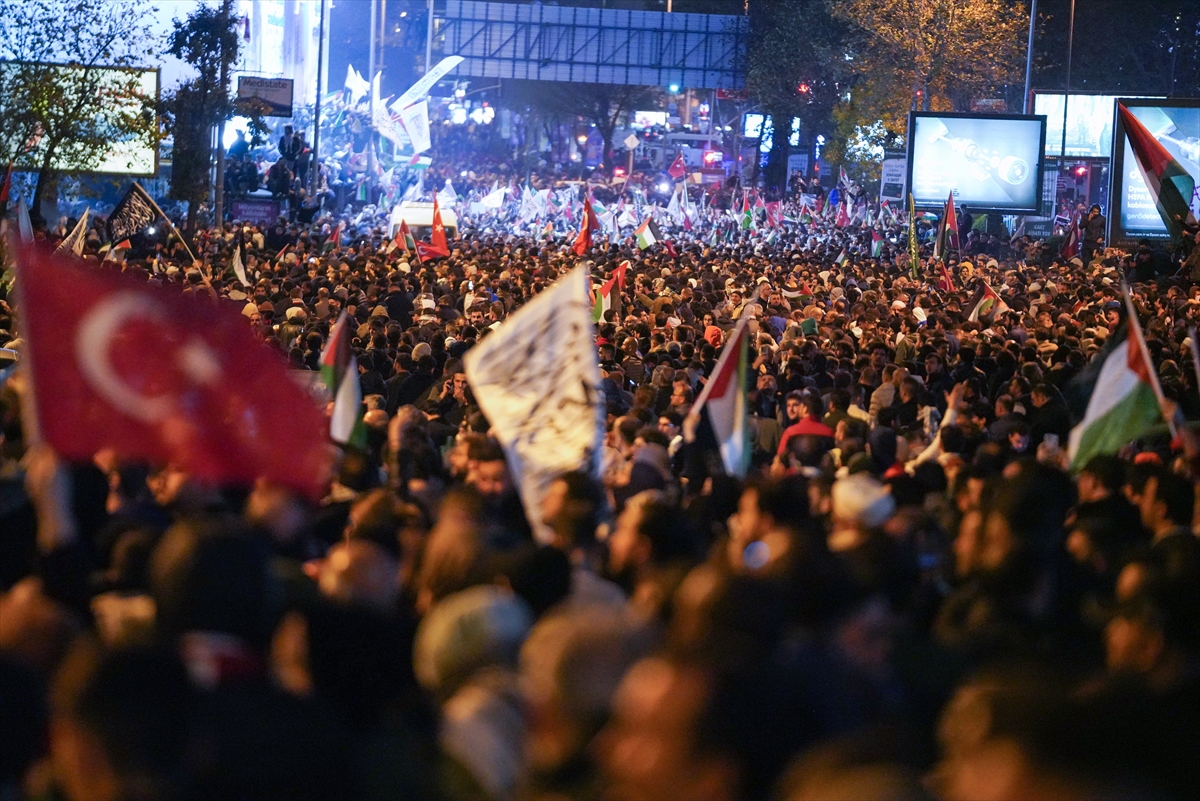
(914, 262)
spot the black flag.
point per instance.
(135, 211)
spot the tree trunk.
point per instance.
(45, 174)
(606, 134)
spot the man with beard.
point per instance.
(650, 551)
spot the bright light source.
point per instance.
(674, 88)
(150, 230)
(458, 115)
(712, 158)
(618, 171)
(231, 130)
(664, 187)
(581, 139)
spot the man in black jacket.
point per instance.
(1094, 228)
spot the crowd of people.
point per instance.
(910, 596)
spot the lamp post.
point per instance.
(315, 169)
(1062, 151)
(1029, 56)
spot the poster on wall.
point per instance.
(893, 177)
(1175, 124)
(989, 162)
(271, 97)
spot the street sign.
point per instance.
(631, 142)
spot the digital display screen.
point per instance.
(991, 162)
(1176, 125)
(1089, 120)
(125, 155)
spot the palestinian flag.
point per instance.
(725, 398)
(339, 370)
(1123, 404)
(409, 243)
(239, 269)
(116, 252)
(1170, 185)
(947, 235)
(420, 162)
(841, 259)
(607, 297)
(985, 302)
(335, 239)
(876, 244)
(747, 214)
(647, 234)
(548, 230)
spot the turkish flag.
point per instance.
(590, 223)
(437, 236)
(119, 363)
(427, 252)
(677, 169)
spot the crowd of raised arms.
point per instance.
(912, 595)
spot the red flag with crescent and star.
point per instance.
(437, 236)
(590, 223)
(119, 363)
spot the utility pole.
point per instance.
(382, 31)
(1062, 151)
(371, 100)
(429, 38)
(1028, 105)
(314, 173)
(219, 186)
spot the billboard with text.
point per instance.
(1176, 126)
(991, 162)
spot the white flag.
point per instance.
(421, 88)
(238, 269)
(416, 125)
(356, 84)
(447, 197)
(537, 379)
(382, 121)
(493, 199)
(74, 241)
(24, 225)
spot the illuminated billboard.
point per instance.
(1176, 125)
(129, 155)
(991, 162)
(1089, 121)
